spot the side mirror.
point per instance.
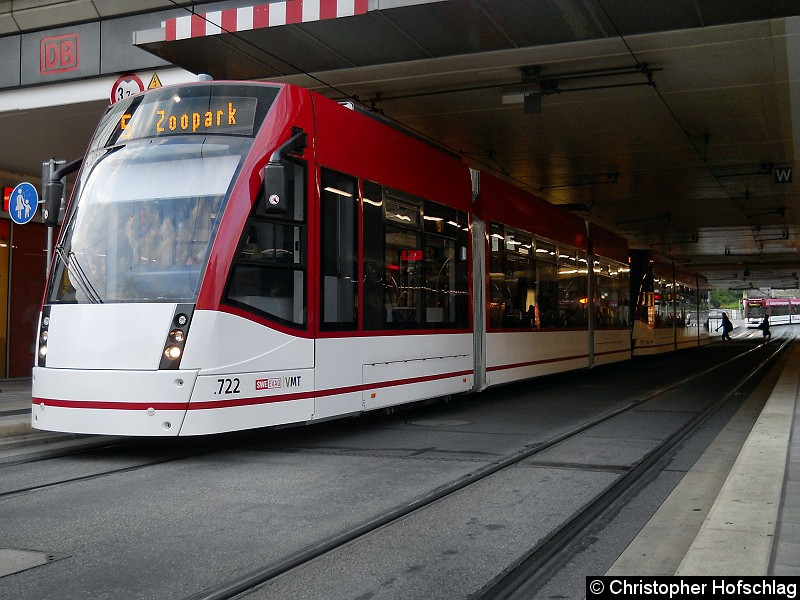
(53, 174)
(276, 188)
(279, 177)
(53, 194)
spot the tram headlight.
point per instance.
(175, 339)
(44, 336)
(172, 352)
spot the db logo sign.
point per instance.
(59, 54)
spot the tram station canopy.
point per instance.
(672, 122)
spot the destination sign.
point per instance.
(189, 116)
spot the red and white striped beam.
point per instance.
(257, 17)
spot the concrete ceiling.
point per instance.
(662, 120)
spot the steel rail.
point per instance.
(527, 575)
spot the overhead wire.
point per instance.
(701, 152)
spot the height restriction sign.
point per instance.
(124, 86)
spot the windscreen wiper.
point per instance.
(78, 275)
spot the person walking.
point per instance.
(727, 327)
(764, 327)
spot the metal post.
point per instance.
(590, 300)
(49, 254)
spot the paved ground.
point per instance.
(756, 467)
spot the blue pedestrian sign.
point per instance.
(23, 203)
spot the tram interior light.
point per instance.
(338, 192)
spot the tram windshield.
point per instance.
(152, 189)
(756, 310)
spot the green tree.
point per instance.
(725, 299)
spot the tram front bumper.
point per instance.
(111, 402)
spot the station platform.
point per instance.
(736, 512)
(15, 410)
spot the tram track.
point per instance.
(534, 566)
(524, 578)
(42, 452)
(162, 448)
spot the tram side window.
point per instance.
(642, 291)
(269, 272)
(404, 277)
(512, 277)
(572, 288)
(685, 305)
(404, 263)
(339, 248)
(702, 317)
(547, 285)
(612, 288)
(497, 290)
(416, 273)
(374, 273)
(534, 283)
(446, 234)
(520, 280)
(663, 309)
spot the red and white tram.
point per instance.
(671, 311)
(240, 255)
(538, 318)
(781, 311)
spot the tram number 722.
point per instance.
(228, 386)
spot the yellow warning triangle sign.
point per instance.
(155, 82)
